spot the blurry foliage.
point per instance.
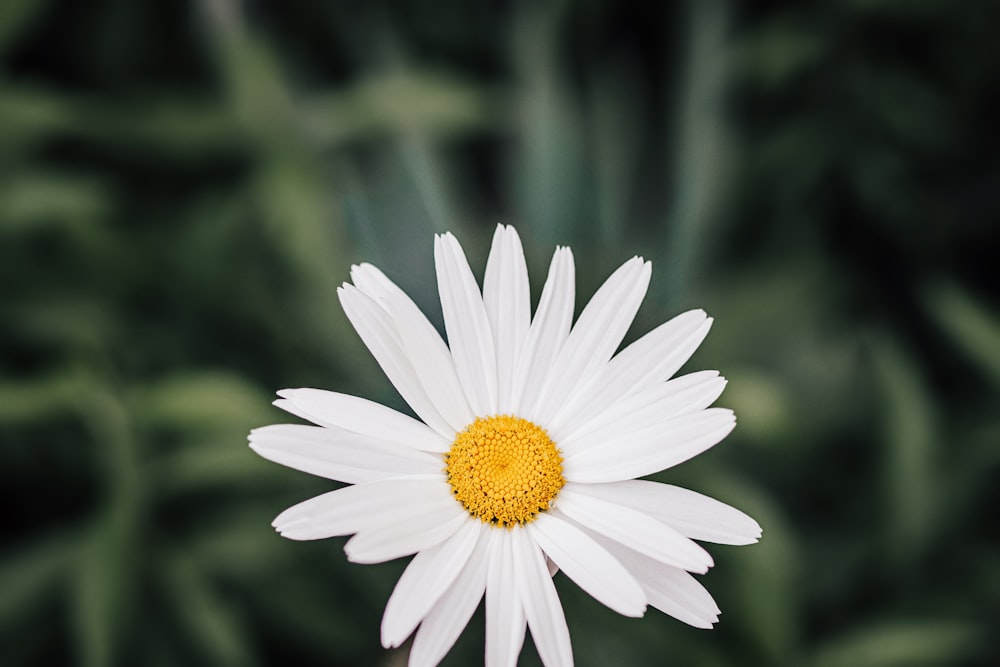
(183, 186)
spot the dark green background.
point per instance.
(184, 184)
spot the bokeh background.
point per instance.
(184, 184)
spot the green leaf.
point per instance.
(38, 399)
(763, 578)
(902, 644)
(911, 467)
(202, 402)
(198, 608)
(30, 574)
(104, 587)
(16, 16)
(71, 203)
(973, 328)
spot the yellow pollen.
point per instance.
(504, 469)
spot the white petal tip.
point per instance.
(637, 612)
(351, 555)
(704, 623)
(291, 392)
(386, 640)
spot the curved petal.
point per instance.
(424, 346)
(449, 616)
(541, 602)
(632, 528)
(669, 589)
(690, 513)
(431, 360)
(508, 307)
(587, 563)
(362, 506)
(595, 337)
(370, 280)
(645, 363)
(351, 413)
(505, 622)
(650, 450)
(380, 336)
(406, 534)
(338, 454)
(424, 581)
(547, 333)
(467, 325)
(657, 405)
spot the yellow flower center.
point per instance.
(504, 469)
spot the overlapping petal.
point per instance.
(425, 580)
(377, 329)
(594, 338)
(614, 418)
(351, 413)
(643, 452)
(364, 507)
(690, 513)
(406, 534)
(541, 602)
(643, 365)
(338, 454)
(657, 405)
(505, 621)
(451, 613)
(548, 332)
(671, 590)
(587, 563)
(632, 528)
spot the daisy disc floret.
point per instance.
(524, 459)
(504, 470)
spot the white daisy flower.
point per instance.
(525, 460)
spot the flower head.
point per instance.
(531, 435)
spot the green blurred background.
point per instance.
(184, 184)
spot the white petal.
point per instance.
(659, 354)
(405, 534)
(426, 351)
(654, 406)
(508, 307)
(547, 334)
(690, 513)
(425, 579)
(379, 333)
(467, 325)
(671, 590)
(645, 363)
(329, 408)
(634, 529)
(505, 622)
(541, 602)
(587, 563)
(431, 360)
(340, 455)
(352, 508)
(650, 450)
(595, 336)
(449, 616)
(370, 280)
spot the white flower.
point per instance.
(525, 462)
